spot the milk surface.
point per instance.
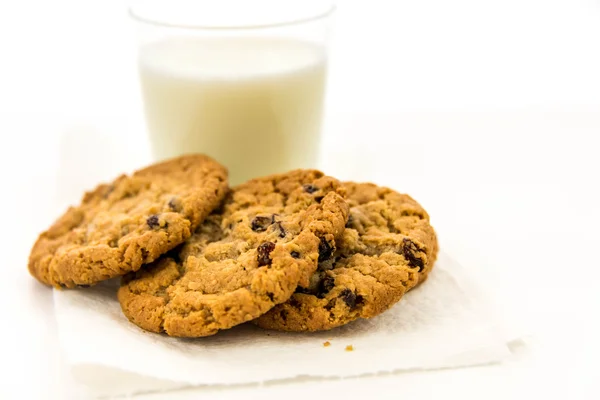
(253, 104)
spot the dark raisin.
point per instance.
(281, 230)
(295, 254)
(318, 199)
(260, 224)
(310, 188)
(349, 298)
(330, 304)
(271, 296)
(325, 250)
(152, 221)
(326, 284)
(408, 250)
(350, 221)
(273, 218)
(264, 251)
(359, 300)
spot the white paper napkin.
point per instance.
(444, 323)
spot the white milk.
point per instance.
(254, 105)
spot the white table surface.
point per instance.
(507, 166)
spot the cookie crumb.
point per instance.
(349, 348)
(326, 344)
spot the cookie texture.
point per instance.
(388, 247)
(118, 227)
(250, 255)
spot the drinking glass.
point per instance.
(242, 81)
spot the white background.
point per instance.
(488, 112)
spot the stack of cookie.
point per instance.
(298, 251)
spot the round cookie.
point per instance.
(388, 247)
(130, 222)
(244, 259)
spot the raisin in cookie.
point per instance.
(244, 259)
(388, 247)
(130, 222)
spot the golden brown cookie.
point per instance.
(249, 256)
(130, 222)
(388, 247)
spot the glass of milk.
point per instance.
(240, 80)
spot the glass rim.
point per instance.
(327, 12)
